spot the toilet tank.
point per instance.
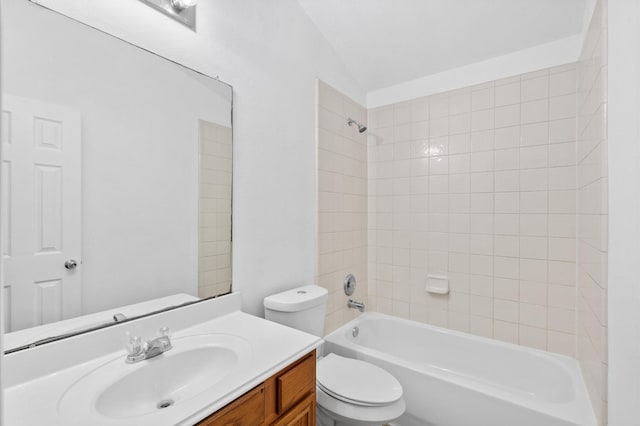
(302, 308)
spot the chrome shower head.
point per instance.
(361, 127)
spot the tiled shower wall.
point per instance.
(214, 225)
(479, 184)
(592, 211)
(342, 202)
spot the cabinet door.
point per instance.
(296, 383)
(303, 414)
(247, 410)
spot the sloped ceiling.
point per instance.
(386, 42)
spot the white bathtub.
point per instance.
(457, 379)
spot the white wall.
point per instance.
(543, 56)
(624, 213)
(139, 149)
(271, 53)
(2, 301)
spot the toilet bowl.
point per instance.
(354, 392)
(348, 391)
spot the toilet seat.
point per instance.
(357, 382)
(350, 413)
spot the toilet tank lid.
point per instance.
(297, 299)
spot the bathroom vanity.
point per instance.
(225, 366)
(286, 398)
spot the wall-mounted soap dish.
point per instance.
(437, 284)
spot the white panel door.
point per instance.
(41, 212)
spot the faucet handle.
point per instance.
(164, 332)
(135, 345)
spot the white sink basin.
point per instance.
(116, 390)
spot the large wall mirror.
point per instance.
(116, 179)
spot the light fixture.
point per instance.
(183, 11)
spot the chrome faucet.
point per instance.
(138, 351)
(352, 304)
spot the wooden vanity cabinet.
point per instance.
(288, 398)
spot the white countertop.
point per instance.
(33, 399)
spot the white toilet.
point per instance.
(349, 391)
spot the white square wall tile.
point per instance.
(507, 94)
(562, 225)
(533, 224)
(482, 161)
(562, 202)
(534, 134)
(506, 289)
(438, 106)
(533, 247)
(533, 293)
(562, 273)
(507, 137)
(507, 181)
(402, 113)
(563, 130)
(482, 140)
(482, 202)
(481, 326)
(507, 159)
(481, 306)
(562, 249)
(563, 320)
(481, 223)
(532, 157)
(562, 107)
(482, 182)
(460, 101)
(505, 331)
(563, 343)
(535, 88)
(459, 144)
(533, 202)
(533, 180)
(420, 109)
(459, 183)
(533, 315)
(438, 126)
(533, 337)
(420, 130)
(460, 123)
(562, 83)
(506, 246)
(533, 270)
(482, 99)
(562, 154)
(506, 267)
(481, 244)
(507, 116)
(562, 296)
(506, 310)
(439, 165)
(562, 178)
(506, 224)
(507, 202)
(384, 117)
(438, 146)
(482, 120)
(535, 111)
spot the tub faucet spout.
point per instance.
(355, 305)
